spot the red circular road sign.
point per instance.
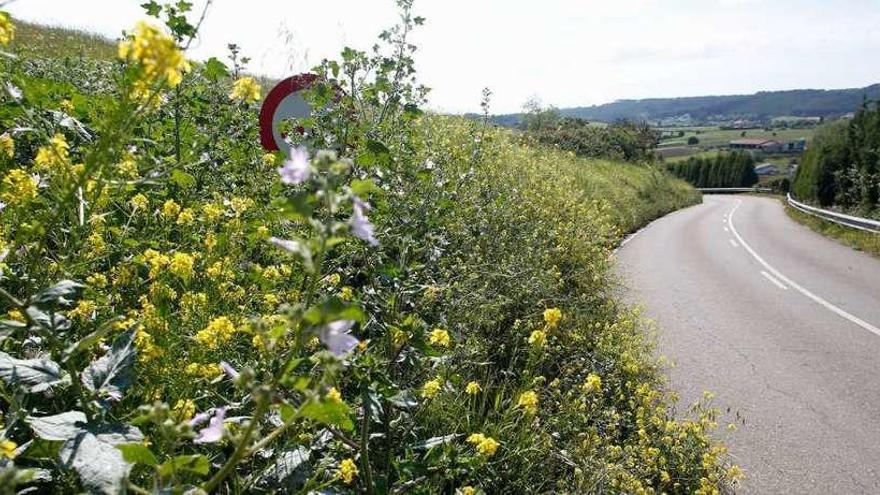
(283, 102)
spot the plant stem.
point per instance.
(365, 439)
(241, 450)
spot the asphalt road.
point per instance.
(782, 325)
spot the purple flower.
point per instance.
(336, 337)
(360, 224)
(296, 170)
(229, 370)
(214, 431)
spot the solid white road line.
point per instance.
(775, 282)
(834, 309)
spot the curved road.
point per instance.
(782, 325)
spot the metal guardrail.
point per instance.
(865, 224)
(711, 190)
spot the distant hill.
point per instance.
(39, 41)
(701, 109)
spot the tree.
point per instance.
(693, 140)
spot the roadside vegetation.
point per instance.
(409, 303)
(842, 169)
(722, 170)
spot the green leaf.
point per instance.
(62, 426)
(94, 456)
(137, 453)
(434, 442)
(197, 464)
(364, 187)
(297, 207)
(32, 375)
(90, 339)
(182, 179)
(288, 412)
(289, 473)
(333, 309)
(152, 8)
(375, 154)
(51, 320)
(215, 69)
(64, 293)
(328, 412)
(109, 375)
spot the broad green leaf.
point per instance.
(288, 473)
(434, 442)
(375, 154)
(364, 187)
(182, 179)
(193, 463)
(137, 453)
(100, 465)
(328, 412)
(63, 293)
(333, 309)
(62, 426)
(215, 69)
(297, 207)
(32, 375)
(110, 374)
(51, 320)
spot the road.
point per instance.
(782, 325)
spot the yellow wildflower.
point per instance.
(333, 279)
(245, 89)
(333, 395)
(67, 106)
(528, 401)
(18, 187)
(55, 154)
(486, 446)
(184, 410)
(240, 205)
(219, 331)
(439, 337)
(7, 145)
(552, 316)
(182, 265)
(7, 29)
(269, 159)
(128, 167)
(84, 310)
(158, 56)
(139, 202)
(348, 471)
(212, 211)
(147, 349)
(466, 490)
(15, 315)
(186, 217)
(7, 448)
(97, 280)
(170, 209)
(209, 370)
(346, 293)
(210, 241)
(473, 388)
(157, 262)
(431, 388)
(271, 273)
(537, 339)
(592, 384)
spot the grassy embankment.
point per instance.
(482, 242)
(854, 238)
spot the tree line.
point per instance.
(723, 170)
(842, 167)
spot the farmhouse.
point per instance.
(757, 144)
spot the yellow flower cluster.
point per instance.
(333, 395)
(182, 265)
(147, 348)
(466, 490)
(159, 58)
(7, 29)
(486, 446)
(439, 337)
(431, 388)
(592, 384)
(157, 262)
(84, 310)
(200, 370)
(53, 156)
(537, 339)
(269, 159)
(170, 209)
(7, 145)
(473, 388)
(18, 187)
(552, 317)
(245, 89)
(219, 331)
(184, 410)
(7, 448)
(528, 401)
(139, 201)
(348, 471)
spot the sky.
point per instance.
(564, 52)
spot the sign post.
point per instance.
(283, 102)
